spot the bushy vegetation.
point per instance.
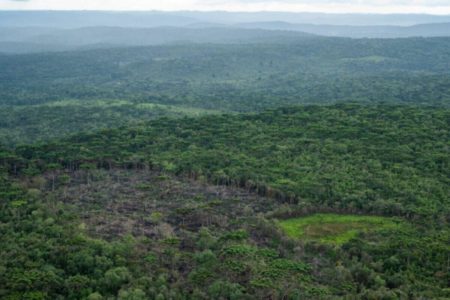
(190, 207)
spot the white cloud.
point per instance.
(368, 6)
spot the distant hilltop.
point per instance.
(76, 19)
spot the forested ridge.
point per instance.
(190, 207)
(186, 71)
(124, 84)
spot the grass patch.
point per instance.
(333, 228)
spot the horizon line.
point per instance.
(222, 11)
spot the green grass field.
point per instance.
(333, 228)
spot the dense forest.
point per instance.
(103, 87)
(237, 160)
(190, 207)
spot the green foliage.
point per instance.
(336, 229)
(61, 118)
(133, 294)
(115, 278)
(389, 160)
(89, 217)
(225, 290)
(49, 95)
(236, 235)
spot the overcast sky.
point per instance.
(338, 6)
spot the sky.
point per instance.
(333, 6)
